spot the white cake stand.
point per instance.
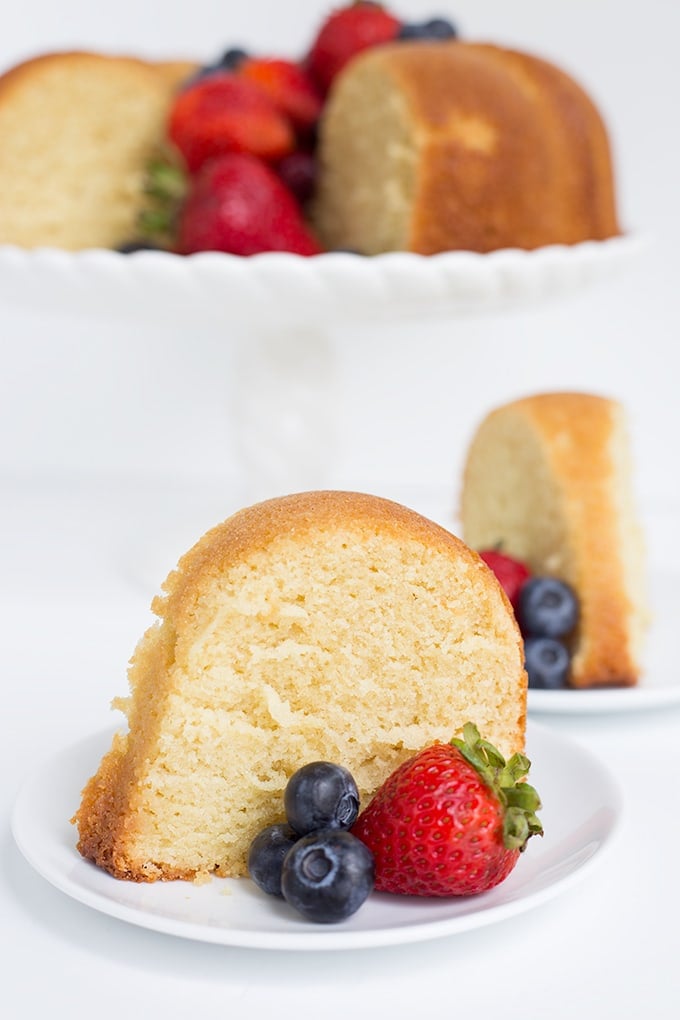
(275, 312)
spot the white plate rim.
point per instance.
(620, 243)
(494, 907)
(601, 701)
(333, 287)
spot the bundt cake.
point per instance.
(325, 625)
(548, 480)
(430, 146)
(78, 130)
(422, 145)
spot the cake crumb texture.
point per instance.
(326, 625)
(78, 130)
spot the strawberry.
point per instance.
(236, 203)
(510, 573)
(451, 821)
(288, 86)
(345, 33)
(226, 113)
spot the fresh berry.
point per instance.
(288, 86)
(346, 32)
(230, 60)
(435, 28)
(510, 573)
(130, 247)
(547, 663)
(238, 204)
(226, 113)
(327, 875)
(298, 173)
(321, 795)
(451, 821)
(546, 607)
(265, 857)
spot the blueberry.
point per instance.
(546, 607)
(129, 247)
(327, 875)
(547, 663)
(266, 854)
(229, 61)
(435, 28)
(321, 795)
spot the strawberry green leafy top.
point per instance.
(520, 800)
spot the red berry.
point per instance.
(451, 821)
(345, 33)
(298, 173)
(511, 573)
(236, 203)
(288, 86)
(226, 113)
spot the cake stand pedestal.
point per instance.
(272, 315)
(283, 410)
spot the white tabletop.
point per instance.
(114, 456)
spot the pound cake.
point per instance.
(318, 626)
(548, 480)
(384, 135)
(428, 147)
(78, 130)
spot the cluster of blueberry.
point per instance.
(547, 612)
(312, 860)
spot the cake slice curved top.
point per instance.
(431, 146)
(548, 479)
(326, 625)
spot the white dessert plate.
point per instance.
(647, 694)
(581, 809)
(279, 289)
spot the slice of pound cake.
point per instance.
(548, 481)
(320, 626)
(78, 130)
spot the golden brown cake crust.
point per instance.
(254, 527)
(174, 70)
(508, 150)
(579, 436)
(112, 813)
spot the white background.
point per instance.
(114, 446)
